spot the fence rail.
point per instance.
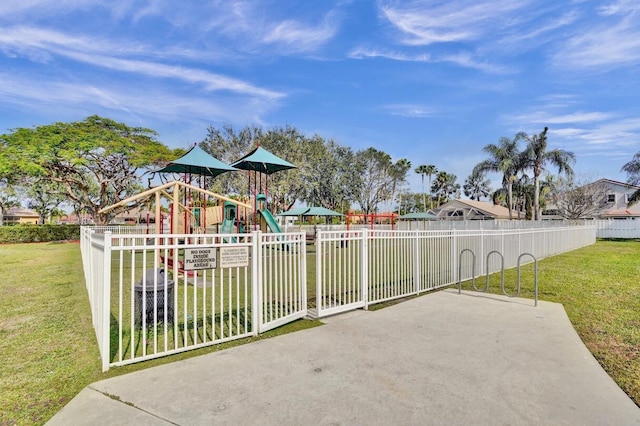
(153, 295)
(361, 267)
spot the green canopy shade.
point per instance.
(197, 162)
(261, 160)
(300, 211)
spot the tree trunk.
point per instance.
(536, 197)
(510, 199)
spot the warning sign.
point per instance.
(234, 257)
(199, 258)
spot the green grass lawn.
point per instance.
(48, 351)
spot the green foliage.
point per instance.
(38, 233)
(426, 170)
(536, 156)
(477, 186)
(444, 187)
(96, 161)
(504, 158)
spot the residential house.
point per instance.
(18, 215)
(618, 195)
(472, 210)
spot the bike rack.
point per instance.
(486, 288)
(473, 270)
(501, 271)
(535, 275)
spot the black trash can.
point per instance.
(159, 291)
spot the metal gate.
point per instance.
(341, 272)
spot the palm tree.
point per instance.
(428, 170)
(398, 173)
(422, 171)
(504, 158)
(445, 185)
(535, 157)
(632, 168)
(476, 186)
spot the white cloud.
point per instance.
(575, 117)
(611, 43)
(151, 103)
(37, 43)
(360, 53)
(428, 22)
(410, 110)
(300, 37)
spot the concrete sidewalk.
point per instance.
(440, 359)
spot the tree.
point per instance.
(578, 200)
(504, 158)
(535, 157)
(285, 187)
(445, 186)
(44, 196)
(398, 173)
(330, 176)
(477, 185)
(632, 169)
(374, 179)
(228, 145)
(96, 161)
(427, 170)
(8, 198)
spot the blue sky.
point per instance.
(431, 81)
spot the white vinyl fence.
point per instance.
(154, 295)
(624, 229)
(358, 268)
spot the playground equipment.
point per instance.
(371, 218)
(267, 221)
(260, 161)
(181, 214)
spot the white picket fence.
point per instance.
(260, 281)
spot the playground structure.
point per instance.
(186, 217)
(190, 207)
(371, 219)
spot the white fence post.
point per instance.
(365, 267)
(256, 283)
(417, 270)
(105, 317)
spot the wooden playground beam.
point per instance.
(176, 184)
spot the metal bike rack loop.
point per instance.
(473, 270)
(535, 275)
(501, 270)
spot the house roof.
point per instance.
(621, 213)
(418, 216)
(486, 209)
(615, 182)
(20, 212)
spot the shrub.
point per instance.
(38, 233)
